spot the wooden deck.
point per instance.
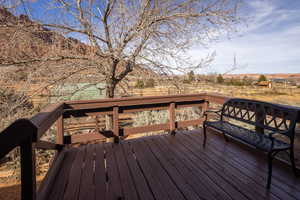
(169, 167)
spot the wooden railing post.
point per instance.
(172, 118)
(116, 124)
(28, 176)
(205, 107)
(60, 130)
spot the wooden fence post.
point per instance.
(28, 176)
(116, 124)
(60, 130)
(172, 118)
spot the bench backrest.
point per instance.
(273, 117)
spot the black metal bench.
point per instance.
(269, 120)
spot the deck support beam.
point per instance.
(116, 131)
(172, 119)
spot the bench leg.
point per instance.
(292, 158)
(204, 135)
(270, 158)
(225, 137)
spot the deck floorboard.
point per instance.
(170, 167)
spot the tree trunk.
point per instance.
(110, 93)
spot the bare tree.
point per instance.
(130, 35)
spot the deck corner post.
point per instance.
(60, 130)
(28, 173)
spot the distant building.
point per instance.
(265, 84)
(283, 81)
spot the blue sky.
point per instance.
(268, 42)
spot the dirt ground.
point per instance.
(12, 190)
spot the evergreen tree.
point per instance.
(220, 79)
(262, 78)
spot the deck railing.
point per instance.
(115, 107)
(27, 133)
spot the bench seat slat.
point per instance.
(253, 138)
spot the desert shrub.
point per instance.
(247, 81)
(150, 117)
(150, 83)
(235, 82)
(186, 81)
(13, 105)
(139, 84)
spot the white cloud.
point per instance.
(270, 45)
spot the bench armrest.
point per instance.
(218, 112)
(270, 135)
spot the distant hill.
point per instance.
(289, 76)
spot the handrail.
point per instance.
(45, 119)
(16, 134)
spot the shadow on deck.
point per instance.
(167, 167)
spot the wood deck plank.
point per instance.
(127, 182)
(114, 188)
(169, 167)
(50, 178)
(253, 157)
(73, 186)
(156, 184)
(170, 187)
(100, 173)
(249, 188)
(253, 172)
(87, 186)
(173, 172)
(258, 160)
(143, 189)
(62, 177)
(192, 175)
(205, 177)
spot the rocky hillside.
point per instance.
(21, 39)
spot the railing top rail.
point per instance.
(44, 119)
(132, 101)
(122, 99)
(15, 134)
